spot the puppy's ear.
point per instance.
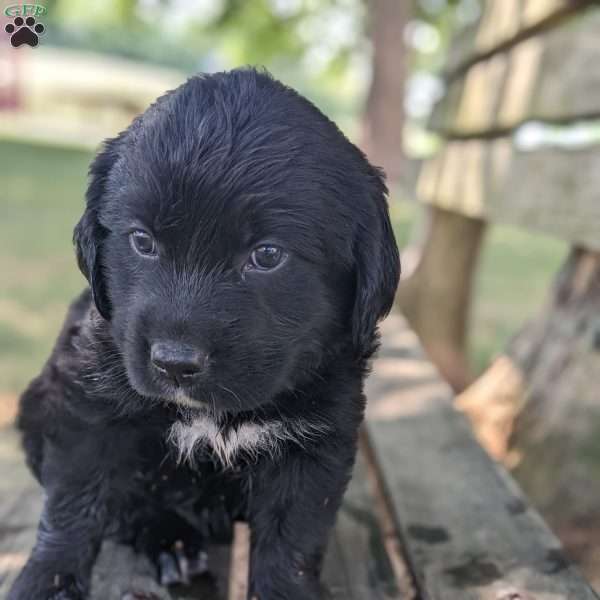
(89, 234)
(377, 266)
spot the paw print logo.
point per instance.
(24, 31)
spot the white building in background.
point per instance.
(74, 98)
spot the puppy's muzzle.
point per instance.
(177, 362)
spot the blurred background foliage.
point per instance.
(322, 46)
(328, 50)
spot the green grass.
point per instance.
(514, 279)
(41, 198)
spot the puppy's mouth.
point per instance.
(181, 397)
(216, 400)
(205, 399)
(184, 397)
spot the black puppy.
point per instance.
(239, 254)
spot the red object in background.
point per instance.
(10, 97)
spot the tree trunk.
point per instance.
(383, 120)
(550, 408)
(436, 298)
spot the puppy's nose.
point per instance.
(179, 362)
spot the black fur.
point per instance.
(222, 164)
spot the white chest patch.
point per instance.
(249, 438)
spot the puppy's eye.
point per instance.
(267, 257)
(143, 243)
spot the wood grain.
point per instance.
(240, 563)
(502, 25)
(549, 190)
(545, 78)
(357, 566)
(467, 529)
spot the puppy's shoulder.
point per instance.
(41, 407)
(58, 379)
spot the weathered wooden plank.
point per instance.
(357, 566)
(545, 78)
(468, 531)
(20, 506)
(537, 407)
(550, 190)
(240, 563)
(502, 25)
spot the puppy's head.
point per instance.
(235, 241)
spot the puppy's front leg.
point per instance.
(69, 534)
(292, 510)
(61, 562)
(60, 565)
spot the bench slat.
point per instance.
(502, 24)
(496, 182)
(467, 529)
(356, 566)
(20, 506)
(545, 78)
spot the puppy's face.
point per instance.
(219, 299)
(236, 241)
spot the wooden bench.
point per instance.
(518, 146)
(427, 515)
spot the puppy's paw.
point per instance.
(181, 566)
(34, 586)
(168, 570)
(65, 588)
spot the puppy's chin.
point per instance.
(180, 397)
